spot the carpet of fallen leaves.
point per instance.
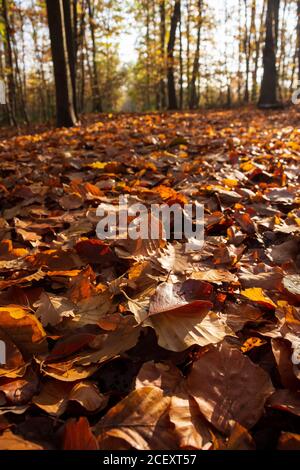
(139, 344)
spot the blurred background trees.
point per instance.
(147, 55)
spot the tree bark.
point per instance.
(247, 52)
(258, 43)
(180, 63)
(97, 102)
(20, 98)
(171, 45)
(65, 112)
(188, 39)
(162, 85)
(80, 53)
(194, 98)
(70, 38)
(11, 103)
(282, 53)
(268, 93)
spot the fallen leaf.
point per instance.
(140, 420)
(78, 435)
(10, 441)
(24, 329)
(55, 396)
(229, 388)
(257, 295)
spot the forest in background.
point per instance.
(188, 54)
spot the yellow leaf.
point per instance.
(230, 183)
(247, 166)
(252, 343)
(256, 294)
(98, 165)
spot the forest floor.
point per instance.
(141, 344)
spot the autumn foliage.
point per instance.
(138, 344)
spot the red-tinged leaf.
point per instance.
(78, 436)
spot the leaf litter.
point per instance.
(135, 344)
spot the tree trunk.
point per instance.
(70, 38)
(258, 43)
(11, 103)
(247, 53)
(268, 93)
(75, 29)
(180, 63)
(42, 87)
(65, 112)
(80, 46)
(188, 46)
(171, 45)
(194, 99)
(282, 54)
(240, 60)
(148, 58)
(20, 101)
(97, 102)
(162, 85)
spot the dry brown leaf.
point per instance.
(55, 396)
(191, 429)
(10, 441)
(167, 377)
(292, 284)
(140, 420)
(289, 441)
(20, 391)
(52, 309)
(286, 400)
(216, 276)
(239, 314)
(24, 329)
(229, 388)
(283, 353)
(240, 439)
(269, 281)
(179, 332)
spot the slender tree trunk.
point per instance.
(89, 69)
(11, 103)
(268, 93)
(247, 53)
(227, 71)
(171, 45)
(97, 101)
(162, 86)
(240, 74)
(282, 55)
(80, 47)
(70, 37)
(258, 43)
(21, 103)
(194, 99)
(180, 63)
(148, 55)
(188, 46)
(65, 112)
(23, 72)
(74, 10)
(42, 87)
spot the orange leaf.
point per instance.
(78, 435)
